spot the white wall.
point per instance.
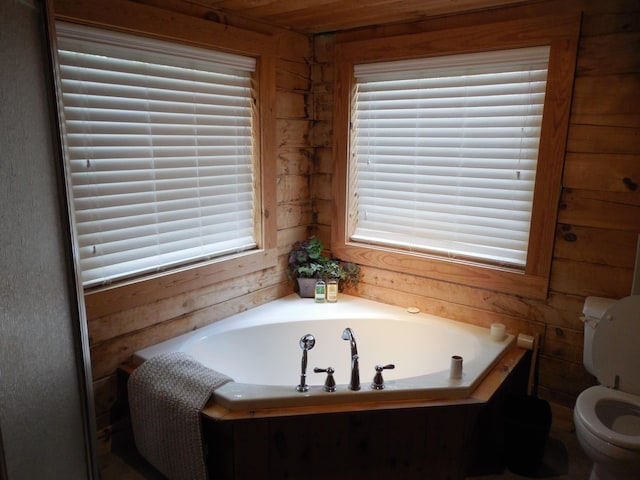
(44, 408)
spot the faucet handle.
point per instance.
(378, 381)
(330, 383)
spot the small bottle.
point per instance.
(321, 291)
(332, 290)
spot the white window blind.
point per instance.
(445, 150)
(158, 146)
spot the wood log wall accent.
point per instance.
(119, 326)
(599, 218)
(597, 225)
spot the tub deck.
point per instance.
(482, 394)
(421, 345)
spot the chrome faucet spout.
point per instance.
(354, 384)
(348, 335)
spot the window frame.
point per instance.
(201, 33)
(101, 56)
(561, 34)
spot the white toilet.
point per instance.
(607, 416)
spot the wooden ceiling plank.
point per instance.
(318, 16)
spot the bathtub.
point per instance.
(260, 350)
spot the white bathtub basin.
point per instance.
(260, 350)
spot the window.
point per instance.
(160, 152)
(445, 152)
(449, 147)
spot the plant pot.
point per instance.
(307, 287)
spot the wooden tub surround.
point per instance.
(434, 439)
(416, 439)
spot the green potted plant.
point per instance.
(306, 264)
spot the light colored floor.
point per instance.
(563, 460)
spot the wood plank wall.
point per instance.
(599, 219)
(115, 335)
(596, 230)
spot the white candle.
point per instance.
(497, 332)
(456, 367)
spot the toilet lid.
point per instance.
(616, 353)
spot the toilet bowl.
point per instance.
(608, 429)
(607, 416)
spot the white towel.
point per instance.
(166, 395)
